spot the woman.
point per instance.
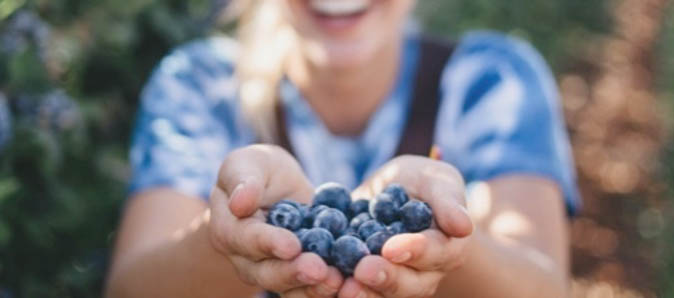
(345, 87)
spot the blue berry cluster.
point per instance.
(342, 231)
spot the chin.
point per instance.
(349, 55)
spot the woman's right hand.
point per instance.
(252, 178)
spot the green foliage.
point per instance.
(556, 28)
(72, 71)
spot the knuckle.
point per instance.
(243, 272)
(453, 258)
(429, 291)
(314, 292)
(310, 292)
(421, 292)
(247, 278)
(457, 263)
(264, 245)
(219, 241)
(219, 237)
(256, 244)
(392, 286)
(263, 278)
(289, 294)
(281, 277)
(437, 263)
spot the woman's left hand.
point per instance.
(413, 265)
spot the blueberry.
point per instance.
(333, 195)
(416, 216)
(303, 208)
(352, 232)
(308, 221)
(347, 251)
(396, 228)
(289, 202)
(285, 216)
(358, 206)
(358, 220)
(398, 193)
(300, 232)
(332, 220)
(318, 241)
(384, 209)
(304, 211)
(376, 241)
(370, 227)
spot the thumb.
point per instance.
(260, 175)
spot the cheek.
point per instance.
(398, 11)
(389, 22)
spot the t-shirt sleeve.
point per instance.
(186, 123)
(500, 114)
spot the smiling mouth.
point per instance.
(339, 8)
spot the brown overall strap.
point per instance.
(417, 136)
(283, 141)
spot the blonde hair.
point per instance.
(264, 42)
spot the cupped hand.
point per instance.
(413, 265)
(251, 179)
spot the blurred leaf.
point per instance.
(7, 7)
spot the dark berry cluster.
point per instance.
(343, 231)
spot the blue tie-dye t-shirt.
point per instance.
(499, 114)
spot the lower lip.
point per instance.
(340, 23)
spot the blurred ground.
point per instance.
(71, 70)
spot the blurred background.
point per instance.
(71, 72)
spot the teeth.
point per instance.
(339, 7)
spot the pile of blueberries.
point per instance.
(342, 231)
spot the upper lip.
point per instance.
(339, 7)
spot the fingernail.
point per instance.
(402, 258)
(361, 295)
(303, 278)
(379, 279)
(236, 191)
(464, 210)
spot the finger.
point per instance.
(328, 288)
(446, 196)
(435, 182)
(354, 289)
(257, 240)
(282, 276)
(260, 175)
(252, 237)
(296, 293)
(392, 280)
(430, 250)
